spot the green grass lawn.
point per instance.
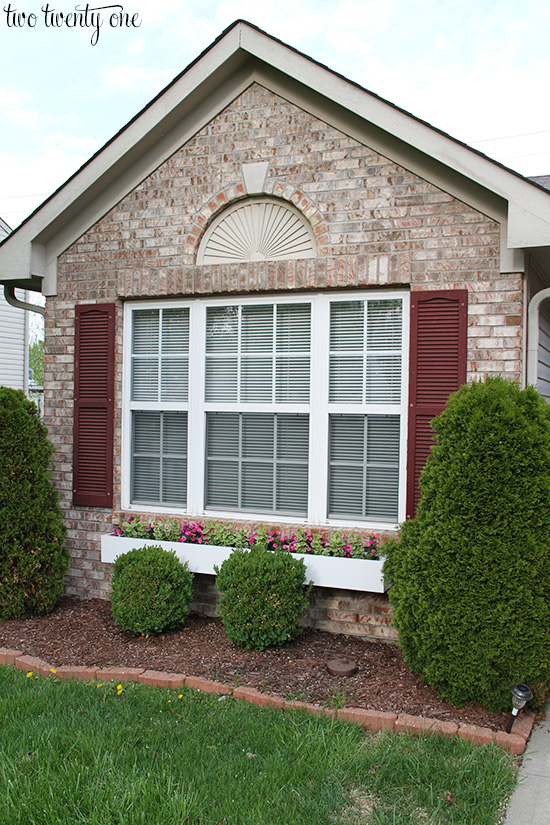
(72, 752)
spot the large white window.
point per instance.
(285, 407)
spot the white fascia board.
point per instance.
(523, 196)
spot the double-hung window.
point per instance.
(290, 407)
(159, 405)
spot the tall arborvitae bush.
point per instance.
(33, 559)
(470, 575)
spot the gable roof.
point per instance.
(542, 180)
(4, 229)
(241, 55)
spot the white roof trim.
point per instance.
(244, 53)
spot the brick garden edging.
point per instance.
(370, 720)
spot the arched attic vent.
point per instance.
(257, 229)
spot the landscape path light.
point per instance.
(521, 694)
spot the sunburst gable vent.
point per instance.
(258, 229)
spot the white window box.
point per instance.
(324, 571)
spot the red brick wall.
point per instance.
(376, 224)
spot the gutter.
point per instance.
(533, 335)
(9, 295)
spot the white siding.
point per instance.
(543, 382)
(14, 337)
(13, 345)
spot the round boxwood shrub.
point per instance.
(33, 558)
(470, 575)
(151, 590)
(263, 596)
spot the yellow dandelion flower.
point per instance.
(180, 696)
(119, 687)
(100, 684)
(29, 674)
(53, 670)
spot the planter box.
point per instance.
(324, 571)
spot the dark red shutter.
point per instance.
(437, 368)
(94, 405)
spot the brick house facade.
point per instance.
(391, 226)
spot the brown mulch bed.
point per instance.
(82, 632)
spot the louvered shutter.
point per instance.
(94, 405)
(437, 369)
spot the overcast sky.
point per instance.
(478, 69)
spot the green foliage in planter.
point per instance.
(263, 596)
(33, 558)
(470, 576)
(151, 590)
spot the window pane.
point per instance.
(293, 437)
(222, 435)
(222, 484)
(293, 377)
(222, 329)
(382, 467)
(257, 329)
(146, 435)
(346, 465)
(364, 466)
(145, 380)
(257, 486)
(159, 457)
(146, 331)
(270, 470)
(384, 379)
(346, 491)
(175, 330)
(174, 433)
(384, 324)
(347, 325)
(293, 328)
(155, 334)
(257, 436)
(146, 479)
(346, 379)
(292, 480)
(256, 379)
(174, 379)
(221, 379)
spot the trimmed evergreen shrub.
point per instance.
(33, 558)
(151, 590)
(470, 575)
(263, 596)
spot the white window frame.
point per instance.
(318, 408)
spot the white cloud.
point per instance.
(132, 76)
(28, 180)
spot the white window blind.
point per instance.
(159, 373)
(365, 370)
(159, 457)
(160, 355)
(365, 351)
(258, 353)
(364, 466)
(257, 462)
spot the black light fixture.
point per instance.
(521, 694)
